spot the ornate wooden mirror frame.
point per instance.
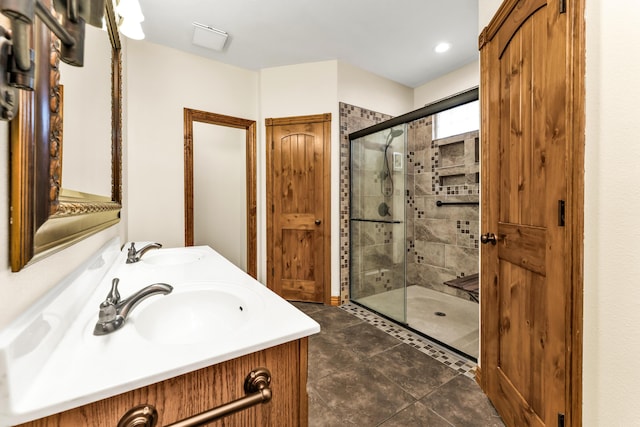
(45, 218)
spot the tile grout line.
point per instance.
(424, 345)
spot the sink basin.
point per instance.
(196, 313)
(172, 256)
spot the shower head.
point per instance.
(393, 134)
(396, 133)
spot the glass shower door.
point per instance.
(377, 222)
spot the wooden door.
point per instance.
(528, 105)
(298, 189)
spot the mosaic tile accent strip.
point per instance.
(464, 366)
(352, 119)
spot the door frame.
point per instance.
(326, 177)
(574, 215)
(249, 126)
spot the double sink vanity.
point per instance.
(187, 346)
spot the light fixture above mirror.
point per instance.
(129, 18)
(16, 56)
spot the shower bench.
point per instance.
(469, 284)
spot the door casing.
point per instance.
(249, 126)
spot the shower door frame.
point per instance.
(453, 101)
(403, 317)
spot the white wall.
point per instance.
(460, 80)
(367, 90)
(612, 236)
(161, 83)
(219, 190)
(612, 203)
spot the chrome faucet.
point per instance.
(134, 256)
(113, 311)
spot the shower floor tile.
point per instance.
(446, 318)
(445, 356)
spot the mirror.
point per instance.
(86, 131)
(45, 216)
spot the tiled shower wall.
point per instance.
(377, 216)
(352, 119)
(442, 242)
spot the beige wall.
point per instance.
(299, 90)
(161, 83)
(612, 203)
(316, 88)
(460, 80)
(367, 90)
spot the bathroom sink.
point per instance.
(172, 256)
(196, 313)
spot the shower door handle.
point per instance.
(318, 222)
(488, 238)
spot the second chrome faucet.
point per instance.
(134, 255)
(113, 311)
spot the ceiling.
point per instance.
(393, 39)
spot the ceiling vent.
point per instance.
(209, 37)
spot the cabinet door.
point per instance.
(184, 396)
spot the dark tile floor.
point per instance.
(361, 376)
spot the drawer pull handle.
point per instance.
(256, 386)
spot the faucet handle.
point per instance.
(131, 253)
(114, 296)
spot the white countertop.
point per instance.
(50, 361)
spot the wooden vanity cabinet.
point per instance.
(198, 391)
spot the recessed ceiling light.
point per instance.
(442, 47)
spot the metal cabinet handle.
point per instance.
(488, 238)
(318, 222)
(256, 385)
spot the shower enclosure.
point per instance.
(378, 223)
(414, 219)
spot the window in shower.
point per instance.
(456, 121)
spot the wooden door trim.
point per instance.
(326, 176)
(574, 215)
(249, 126)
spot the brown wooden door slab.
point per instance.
(526, 276)
(298, 221)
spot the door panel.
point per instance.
(298, 231)
(525, 277)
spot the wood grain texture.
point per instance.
(298, 213)
(190, 116)
(532, 68)
(36, 160)
(575, 216)
(198, 391)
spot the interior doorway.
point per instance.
(218, 149)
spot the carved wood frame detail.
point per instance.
(44, 217)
